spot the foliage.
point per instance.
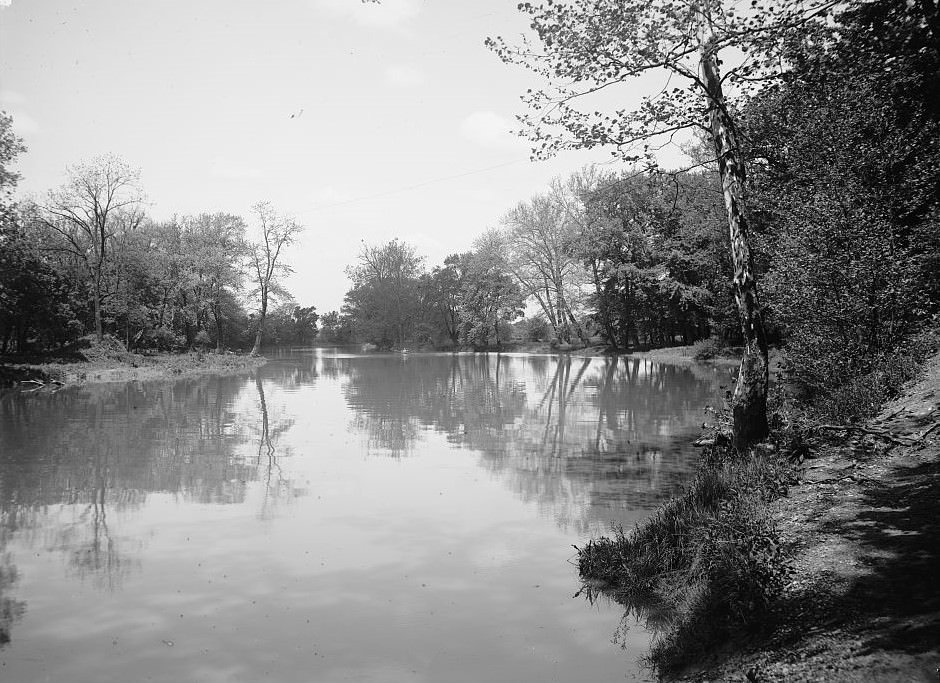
(383, 303)
(846, 177)
(654, 246)
(99, 203)
(706, 564)
(265, 261)
(706, 349)
(291, 325)
(86, 257)
(539, 236)
(491, 298)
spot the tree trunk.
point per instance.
(256, 349)
(217, 314)
(96, 297)
(604, 307)
(749, 402)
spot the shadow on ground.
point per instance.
(898, 531)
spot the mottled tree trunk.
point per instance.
(749, 402)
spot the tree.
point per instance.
(335, 329)
(443, 287)
(652, 246)
(383, 301)
(845, 167)
(589, 47)
(264, 261)
(540, 236)
(214, 244)
(100, 200)
(305, 324)
(491, 298)
(11, 146)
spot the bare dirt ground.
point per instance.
(863, 528)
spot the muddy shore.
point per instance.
(128, 367)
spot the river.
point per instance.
(335, 517)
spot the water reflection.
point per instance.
(586, 439)
(278, 485)
(475, 472)
(72, 460)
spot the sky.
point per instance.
(402, 119)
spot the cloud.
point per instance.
(401, 76)
(385, 14)
(222, 168)
(489, 129)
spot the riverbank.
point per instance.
(861, 529)
(113, 365)
(810, 559)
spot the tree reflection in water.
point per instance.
(278, 486)
(74, 461)
(572, 435)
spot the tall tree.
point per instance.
(214, 244)
(491, 297)
(383, 302)
(540, 235)
(11, 146)
(264, 258)
(443, 287)
(100, 200)
(587, 48)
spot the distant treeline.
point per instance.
(843, 191)
(634, 261)
(86, 259)
(842, 148)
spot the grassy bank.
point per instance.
(706, 571)
(90, 362)
(706, 564)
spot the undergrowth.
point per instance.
(706, 564)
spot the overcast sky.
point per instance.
(404, 130)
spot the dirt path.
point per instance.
(863, 603)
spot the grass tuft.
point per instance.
(705, 565)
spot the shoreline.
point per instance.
(860, 530)
(123, 366)
(128, 367)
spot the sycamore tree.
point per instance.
(593, 53)
(539, 236)
(265, 262)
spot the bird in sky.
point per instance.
(297, 115)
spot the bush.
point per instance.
(162, 339)
(704, 566)
(203, 340)
(109, 349)
(843, 388)
(706, 349)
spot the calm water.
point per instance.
(334, 517)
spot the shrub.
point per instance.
(706, 349)
(706, 564)
(203, 340)
(162, 339)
